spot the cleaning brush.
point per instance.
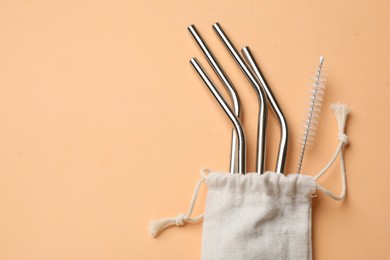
(313, 113)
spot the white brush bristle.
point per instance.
(314, 106)
(317, 90)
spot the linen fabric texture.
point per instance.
(258, 216)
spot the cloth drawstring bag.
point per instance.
(259, 217)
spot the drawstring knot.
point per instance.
(341, 112)
(180, 219)
(158, 226)
(343, 138)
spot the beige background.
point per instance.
(104, 124)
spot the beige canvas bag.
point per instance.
(259, 217)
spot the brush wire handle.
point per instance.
(313, 113)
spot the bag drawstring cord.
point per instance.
(157, 226)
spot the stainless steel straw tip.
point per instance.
(193, 62)
(191, 27)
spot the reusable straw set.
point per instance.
(261, 215)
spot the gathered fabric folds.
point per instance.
(257, 217)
